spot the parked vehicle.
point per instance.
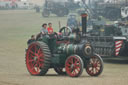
(110, 40)
(60, 8)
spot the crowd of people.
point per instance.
(44, 30)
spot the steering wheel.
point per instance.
(66, 31)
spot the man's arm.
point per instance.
(42, 31)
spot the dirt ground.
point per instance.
(16, 26)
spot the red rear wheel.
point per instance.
(95, 66)
(38, 58)
(74, 66)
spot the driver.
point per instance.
(44, 29)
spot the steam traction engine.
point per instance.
(66, 52)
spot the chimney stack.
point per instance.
(84, 23)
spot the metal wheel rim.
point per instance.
(95, 66)
(34, 59)
(73, 61)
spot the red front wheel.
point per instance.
(95, 65)
(74, 66)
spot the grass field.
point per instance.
(15, 29)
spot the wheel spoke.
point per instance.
(31, 61)
(89, 65)
(77, 66)
(68, 65)
(76, 61)
(35, 48)
(98, 65)
(74, 71)
(96, 60)
(41, 60)
(97, 69)
(94, 71)
(40, 55)
(78, 69)
(35, 65)
(39, 51)
(40, 65)
(33, 68)
(32, 52)
(93, 59)
(32, 55)
(70, 69)
(71, 60)
(38, 69)
(91, 71)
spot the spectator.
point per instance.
(50, 29)
(72, 22)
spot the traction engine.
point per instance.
(67, 52)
